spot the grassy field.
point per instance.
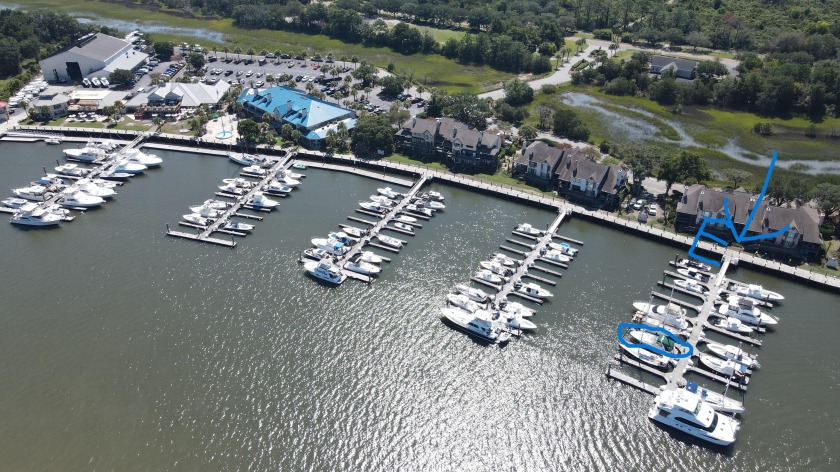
(432, 70)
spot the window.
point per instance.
(790, 238)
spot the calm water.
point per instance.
(124, 349)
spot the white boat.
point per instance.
(659, 341)
(556, 256)
(15, 202)
(298, 165)
(288, 173)
(405, 218)
(693, 274)
(343, 237)
(651, 358)
(77, 199)
(503, 260)
(102, 182)
(196, 219)
(139, 157)
(72, 170)
(89, 153)
(436, 196)
(255, 170)
(53, 140)
(246, 159)
(690, 264)
(478, 324)
(354, 232)
(384, 201)
(287, 181)
(727, 368)
(371, 258)
(389, 241)
(462, 301)
(517, 308)
(317, 254)
(216, 204)
(52, 181)
(206, 211)
(437, 206)
(691, 286)
(732, 353)
(372, 206)
(418, 209)
(259, 200)
(239, 182)
(403, 227)
(232, 189)
(127, 167)
(35, 217)
(533, 290)
(35, 193)
(90, 188)
(496, 268)
(526, 228)
(238, 226)
(687, 412)
(333, 247)
(515, 322)
(731, 324)
(325, 270)
(488, 276)
(758, 292)
(277, 188)
(717, 401)
(671, 308)
(114, 175)
(675, 325)
(564, 249)
(358, 265)
(474, 294)
(745, 310)
(388, 193)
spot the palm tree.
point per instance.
(347, 80)
(277, 55)
(226, 50)
(238, 51)
(354, 89)
(309, 87)
(291, 84)
(251, 52)
(157, 121)
(420, 89)
(367, 92)
(354, 60)
(263, 53)
(343, 61)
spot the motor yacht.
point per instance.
(35, 217)
(389, 241)
(418, 209)
(259, 200)
(693, 274)
(373, 206)
(658, 341)
(139, 157)
(564, 249)
(437, 206)
(343, 237)
(288, 173)
(526, 228)
(474, 294)
(216, 204)
(515, 322)
(333, 247)
(354, 232)
(675, 325)
(196, 219)
(727, 368)
(53, 140)
(72, 170)
(91, 188)
(691, 286)
(356, 264)
(35, 193)
(732, 353)
(672, 309)
(478, 324)
(53, 182)
(517, 308)
(462, 301)
(89, 153)
(128, 167)
(371, 258)
(232, 189)
(325, 270)
(496, 268)
(234, 225)
(206, 211)
(731, 324)
(78, 199)
(383, 201)
(287, 181)
(255, 170)
(317, 254)
(556, 256)
(275, 187)
(247, 159)
(745, 310)
(239, 182)
(488, 276)
(15, 202)
(403, 227)
(503, 260)
(388, 193)
(717, 401)
(436, 196)
(691, 264)
(648, 357)
(758, 292)
(405, 218)
(114, 175)
(533, 290)
(687, 412)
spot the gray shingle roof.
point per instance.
(539, 152)
(682, 64)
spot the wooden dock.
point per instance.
(568, 239)
(361, 220)
(515, 251)
(547, 271)
(561, 265)
(360, 171)
(540, 279)
(633, 382)
(520, 243)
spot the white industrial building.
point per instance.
(92, 55)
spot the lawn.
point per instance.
(432, 70)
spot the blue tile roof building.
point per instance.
(312, 117)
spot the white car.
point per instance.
(249, 73)
(638, 204)
(652, 209)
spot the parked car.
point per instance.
(638, 204)
(249, 73)
(652, 209)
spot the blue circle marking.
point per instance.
(655, 349)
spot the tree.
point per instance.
(698, 39)
(237, 50)
(164, 50)
(569, 125)
(642, 160)
(545, 117)
(527, 132)
(251, 53)
(196, 61)
(518, 93)
(391, 86)
(827, 196)
(680, 167)
(466, 108)
(736, 176)
(121, 76)
(10, 57)
(118, 108)
(286, 132)
(398, 115)
(249, 130)
(373, 134)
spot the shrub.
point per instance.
(603, 34)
